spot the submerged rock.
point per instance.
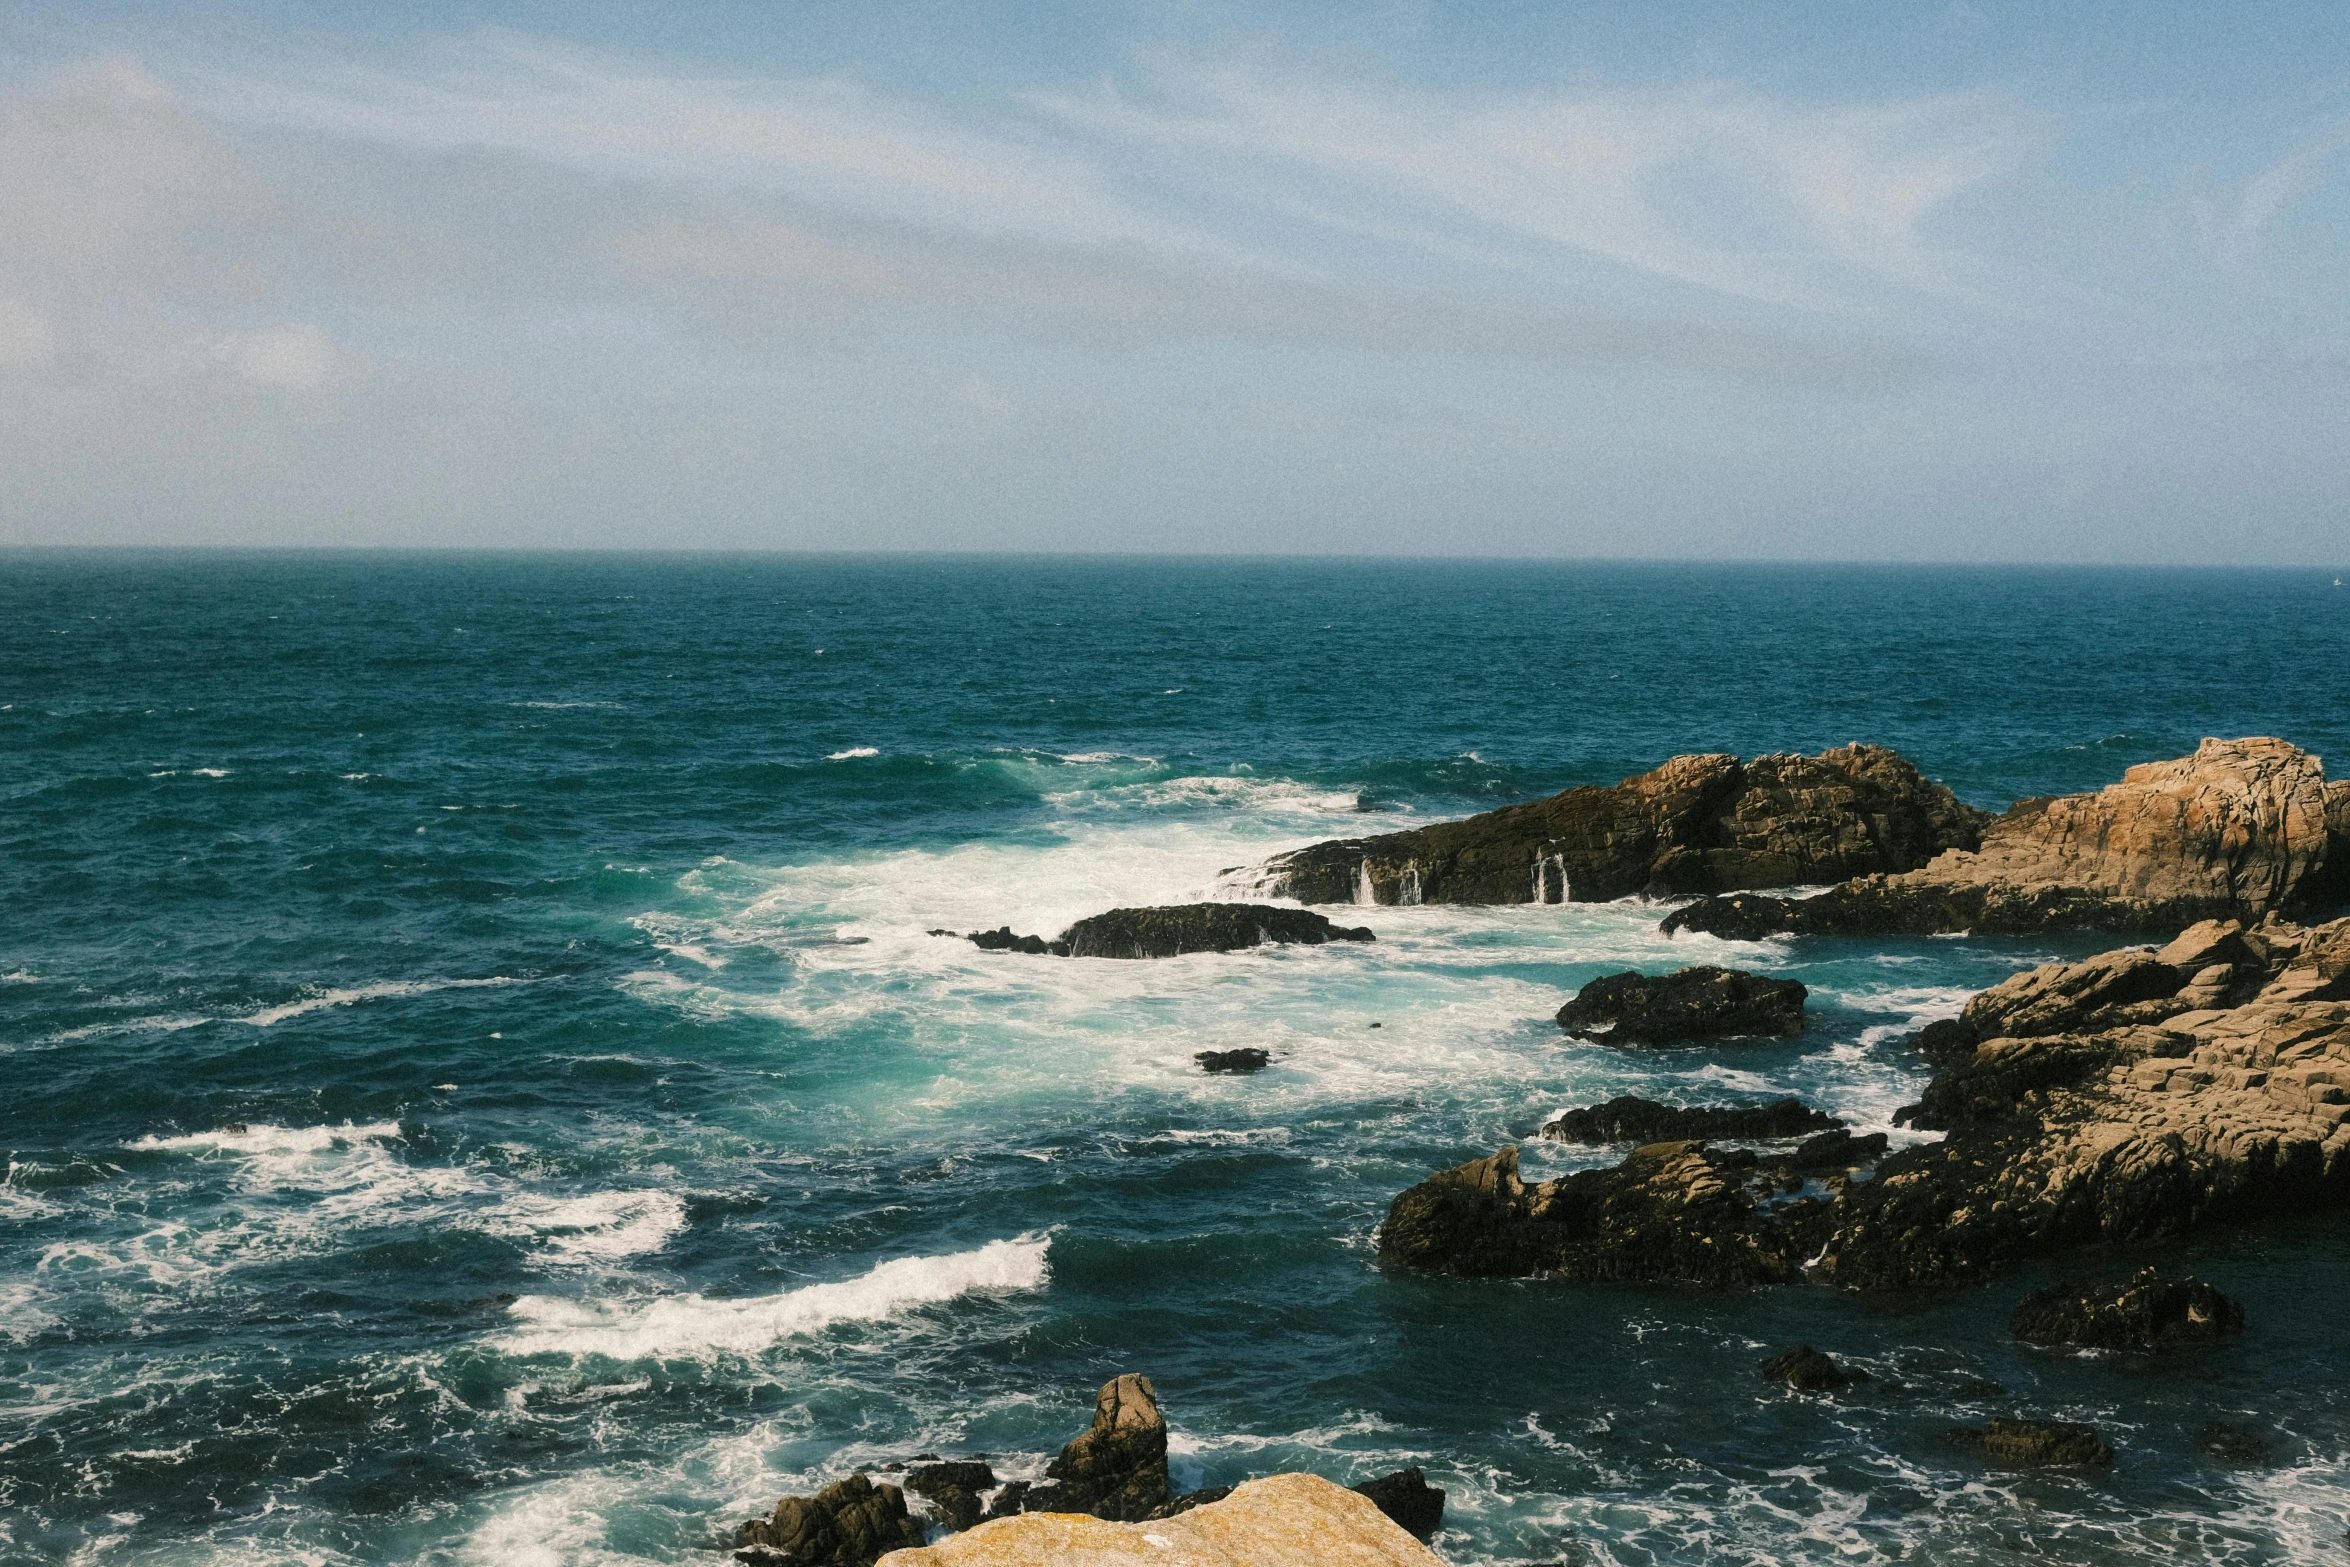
(2239, 829)
(1171, 932)
(2033, 1442)
(1807, 1370)
(2148, 1313)
(1693, 1004)
(1628, 1118)
(2232, 1444)
(1697, 824)
(1240, 1062)
(1118, 1468)
(850, 1524)
(1288, 1520)
(1408, 1498)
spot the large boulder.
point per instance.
(1118, 1468)
(1408, 1498)
(2239, 829)
(1173, 931)
(1288, 1520)
(1627, 1118)
(1681, 1008)
(2146, 1314)
(850, 1524)
(953, 1488)
(1808, 1370)
(1697, 824)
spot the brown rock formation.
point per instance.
(1118, 1468)
(2240, 828)
(843, 1525)
(1696, 824)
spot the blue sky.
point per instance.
(1946, 282)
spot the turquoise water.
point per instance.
(478, 1088)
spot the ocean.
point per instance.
(478, 1087)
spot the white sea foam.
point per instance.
(696, 1325)
(852, 753)
(320, 1000)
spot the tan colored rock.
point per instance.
(1288, 1520)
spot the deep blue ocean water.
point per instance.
(476, 1087)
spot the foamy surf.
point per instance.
(320, 1000)
(692, 1326)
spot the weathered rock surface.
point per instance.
(1406, 1496)
(1240, 1062)
(1807, 1370)
(850, 1524)
(2126, 1132)
(1118, 1468)
(2239, 829)
(1679, 1008)
(954, 1489)
(1697, 824)
(2033, 1442)
(1173, 931)
(1289, 1520)
(1628, 1118)
(2148, 1313)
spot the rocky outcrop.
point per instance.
(850, 1524)
(2239, 829)
(2146, 1314)
(1118, 1468)
(1173, 931)
(1698, 824)
(1628, 1118)
(1233, 1063)
(1406, 1497)
(2020, 1442)
(1684, 1007)
(1289, 1520)
(2175, 1116)
(1807, 1370)
(953, 1490)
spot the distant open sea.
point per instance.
(476, 1087)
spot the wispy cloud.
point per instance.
(2282, 183)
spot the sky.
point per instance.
(2062, 282)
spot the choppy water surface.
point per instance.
(477, 1087)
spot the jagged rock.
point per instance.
(954, 1489)
(849, 1524)
(1944, 1041)
(2232, 1444)
(1171, 932)
(1289, 1520)
(2033, 1442)
(1118, 1468)
(1697, 824)
(2239, 829)
(2146, 1314)
(1695, 1003)
(1408, 1498)
(1806, 1370)
(1837, 1149)
(1246, 1059)
(1628, 1118)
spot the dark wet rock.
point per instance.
(1977, 1388)
(1246, 1059)
(850, 1524)
(2146, 1314)
(2240, 829)
(1174, 931)
(1838, 1149)
(1945, 1041)
(1697, 824)
(1631, 1119)
(1406, 1497)
(1808, 1370)
(1010, 1499)
(2033, 1442)
(1118, 1468)
(954, 1489)
(1692, 1004)
(1190, 1499)
(2232, 1444)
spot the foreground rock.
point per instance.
(1118, 1468)
(1695, 1003)
(2239, 829)
(2033, 1442)
(1172, 932)
(1628, 1118)
(1406, 1497)
(1289, 1520)
(1806, 1370)
(2151, 1127)
(844, 1525)
(1697, 824)
(2146, 1314)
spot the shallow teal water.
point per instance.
(618, 1152)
